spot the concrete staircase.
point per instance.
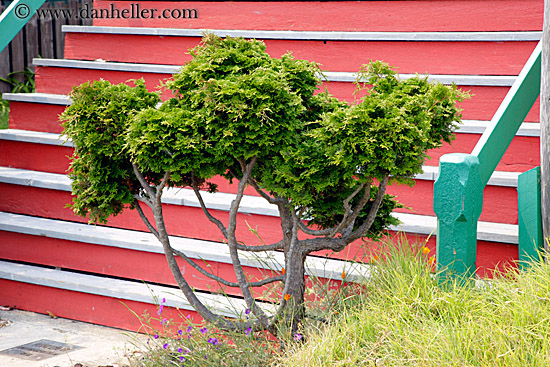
(52, 261)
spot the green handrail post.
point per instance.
(15, 17)
(458, 191)
(458, 199)
(529, 217)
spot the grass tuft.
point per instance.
(406, 318)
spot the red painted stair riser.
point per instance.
(461, 58)
(120, 262)
(85, 307)
(392, 16)
(190, 222)
(482, 106)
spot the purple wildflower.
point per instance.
(164, 321)
(164, 300)
(189, 329)
(204, 330)
(160, 309)
(180, 350)
(248, 330)
(247, 311)
(213, 341)
(156, 336)
(297, 336)
(165, 346)
(182, 358)
(180, 332)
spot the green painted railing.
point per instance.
(15, 17)
(458, 191)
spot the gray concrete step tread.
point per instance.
(333, 76)
(195, 249)
(317, 35)
(414, 223)
(45, 98)
(120, 289)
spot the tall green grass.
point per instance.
(406, 318)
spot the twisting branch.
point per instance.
(145, 219)
(258, 189)
(148, 189)
(359, 232)
(189, 293)
(317, 244)
(205, 210)
(274, 246)
(232, 242)
(162, 184)
(162, 236)
(247, 170)
(346, 219)
(221, 280)
(314, 232)
(360, 205)
(347, 210)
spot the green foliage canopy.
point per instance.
(233, 102)
(97, 122)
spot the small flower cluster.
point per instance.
(200, 344)
(431, 259)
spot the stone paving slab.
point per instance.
(99, 345)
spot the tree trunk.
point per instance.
(295, 307)
(545, 126)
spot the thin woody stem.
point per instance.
(272, 247)
(221, 280)
(233, 252)
(205, 210)
(148, 189)
(162, 184)
(372, 213)
(145, 219)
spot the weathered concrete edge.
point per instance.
(115, 288)
(317, 35)
(331, 76)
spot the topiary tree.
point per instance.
(239, 113)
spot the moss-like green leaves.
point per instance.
(97, 121)
(243, 102)
(233, 102)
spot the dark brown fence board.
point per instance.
(74, 6)
(89, 3)
(17, 53)
(46, 36)
(59, 37)
(4, 69)
(32, 41)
